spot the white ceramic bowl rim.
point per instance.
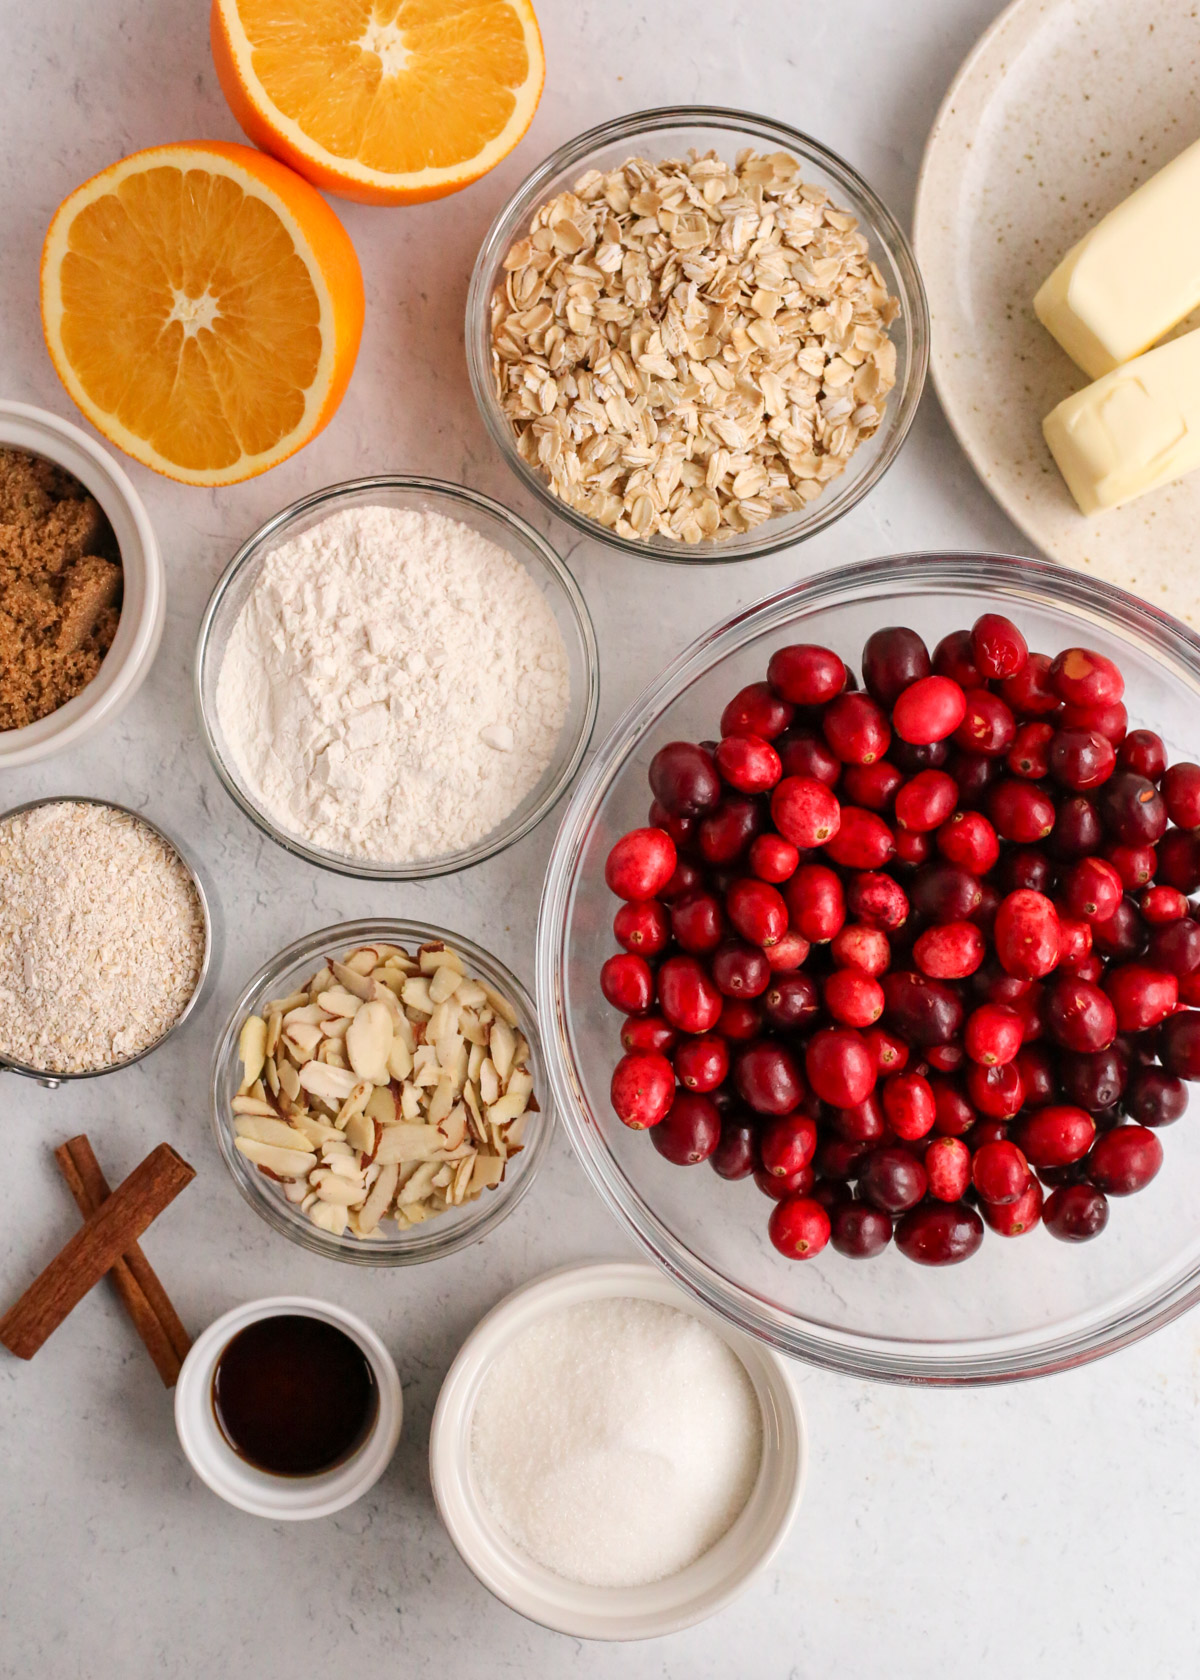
(143, 607)
(662, 1607)
(283, 1498)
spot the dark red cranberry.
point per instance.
(1123, 935)
(1026, 935)
(687, 996)
(815, 902)
(999, 1172)
(945, 893)
(1092, 889)
(840, 1068)
(684, 779)
(1124, 1161)
(921, 1010)
(1081, 759)
(988, 726)
(1075, 1212)
(736, 1154)
(1180, 1044)
(1020, 811)
(701, 1064)
(1179, 860)
(998, 647)
(790, 1001)
(768, 1078)
(787, 1144)
(929, 710)
(1155, 1098)
(727, 832)
(1112, 722)
(1181, 790)
(864, 1123)
(799, 1227)
(628, 983)
(1079, 1015)
(954, 657)
(1142, 997)
(648, 1032)
(1029, 755)
(859, 1231)
(805, 811)
(877, 900)
(1029, 692)
(688, 878)
(740, 1020)
(1025, 866)
(954, 1114)
(643, 927)
(872, 785)
(913, 758)
(748, 763)
(839, 1158)
(1082, 677)
(996, 1092)
(803, 753)
(1134, 811)
(891, 1179)
(974, 774)
(779, 1189)
(1143, 752)
(698, 922)
(1136, 865)
(681, 829)
(690, 1132)
(856, 728)
(939, 1233)
(892, 659)
(757, 710)
(1055, 1136)
(1038, 1075)
(806, 675)
(642, 1089)
(1078, 831)
(772, 858)
(832, 1195)
(1093, 1080)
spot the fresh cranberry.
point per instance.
(889, 1053)
(1123, 936)
(790, 1001)
(1092, 889)
(640, 864)
(1079, 1015)
(947, 1163)
(852, 998)
(643, 1089)
(859, 1231)
(861, 947)
(628, 983)
(954, 1114)
(1026, 935)
(1075, 1212)
(872, 785)
(1189, 990)
(839, 1066)
(969, 841)
(690, 1131)
(922, 1010)
(1020, 811)
(929, 710)
(648, 1032)
(1143, 752)
(757, 910)
(799, 1227)
(1000, 1172)
(748, 763)
(1180, 1044)
(877, 900)
(1125, 1160)
(864, 1123)
(1025, 866)
(806, 675)
(768, 1078)
(1162, 905)
(974, 775)
(925, 802)
(727, 832)
(1081, 759)
(683, 778)
(949, 952)
(1029, 692)
(988, 726)
(757, 710)
(816, 902)
(945, 1058)
(1134, 864)
(740, 1020)
(913, 758)
(1078, 831)
(1055, 1136)
(701, 1064)
(1142, 997)
(779, 1189)
(993, 1034)
(642, 926)
(805, 811)
(912, 850)
(1074, 944)
(996, 1092)
(688, 878)
(863, 841)
(788, 1144)
(698, 922)
(772, 858)
(788, 953)
(891, 660)
(1038, 1077)
(1093, 1079)
(939, 1233)
(986, 1131)
(1155, 1098)
(687, 996)
(945, 893)
(1082, 677)
(1029, 755)
(1013, 1219)
(891, 1179)
(908, 1105)
(803, 753)
(682, 830)
(998, 647)
(1178, 861)
(856, 728)
(1181, 790)
(954, 657)
(839, 1158)
(1134, 811)
(736, 1154)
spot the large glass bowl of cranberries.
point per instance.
(869, 968)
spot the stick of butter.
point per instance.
(1132, 431)
(1134, 276)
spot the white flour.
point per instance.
(394, 686)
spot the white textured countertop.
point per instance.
(1040, 1530)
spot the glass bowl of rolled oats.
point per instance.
(378, 1092)
(697, 335)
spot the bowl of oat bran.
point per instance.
(648, 252)
(82, 593)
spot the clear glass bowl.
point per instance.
(458, 1227)
(668, 133)
(1017, 1308)
(498, 525)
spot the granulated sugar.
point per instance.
(616, 1441)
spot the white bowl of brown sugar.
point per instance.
(82, 595)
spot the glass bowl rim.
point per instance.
(884, 227)
(1013, 1356)
(437, 1238)
(507, 833)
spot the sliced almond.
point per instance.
(364, 959)
(410, 1143)
(378, 1198)
(283, 1006)
(361, 985)
(382, 1106)
(329, 1217)
(284, 1163)
(308, 1015)
(275, 1132)
(252, 1049)
(503, 1044)
(331, 1084)
(289, 1079)
(368, 1041)
(338, 1001)
(302, 1041)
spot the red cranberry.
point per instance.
(756, 710)
(1134, 864)
(929, 710)
(1078, 831)
(889, 1053)
(768, 1079)
(748, 763)
(648, 1032)
(1093, 1079)
(954, 657)
(891, 660)
(996, 1092)
(1143, 752)
(736, 1154)
(911, 849)
(998, 647)
(757, 910)
(1134, 811)
(739, 1021)
(1013, 1219)
(1079, 1015)
(684, 779)
(788, 953)
(872, 785)
(628, 983)
(1081, 759)
(939, 1233)
(1029, 755)
(687, 996)
(949, 952)
(839, 1066)
(1142, 997)
(993, 1034)
(921, 1010)
(1189, 990)
(1162, 905)
(804, 754)
(799, 1227)
(1155, 1098)
(805, 811)
(682, 830)
(856, 728)
(986, 1131)
(726, 833)
(955, 1116)
(861, 947)
(1037, 1075)
(1181, 790)
(1026, 866)
(864, 1123)
(816, 903)
(925, 802)
(947, 1163)
(806, 675)
(1020, 811)
(642, 926)
(945, 1058)
(863, 841)
(1074, 944)
(790, 1001)
(908, 1105)
(701, 1064)
(877, 900)
(859, 1231)
(779, 1189)
(1180, 1044)
(1026, 935)
(772, 858)
(698, 922)
(640, 864)
(852, 998)
(643, 1089)
(1092, 889)
(988, 726)
(1076, 1212)
(690, 1132)
(1084, 678)
(1111, 722)
(788, 1144)
(1000, 1172)
(945, 893)
(891, 1179)
(1029, 692)
(1123, 935)
(1056, 1136)
(1179, 860)
(969, 841)
(688, 878)
(1125, 1160)
(838, 1158)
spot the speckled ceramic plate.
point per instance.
(1062, 108)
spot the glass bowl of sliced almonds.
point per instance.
(378, 1092)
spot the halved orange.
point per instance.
(386, 101)
(203, 306)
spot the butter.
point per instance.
(1132, 431)
(1134, 276)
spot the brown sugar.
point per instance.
(60, 587)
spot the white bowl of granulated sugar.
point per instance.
(396, 678)
(611, 1459)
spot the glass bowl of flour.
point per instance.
(396, 678)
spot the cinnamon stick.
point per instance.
(92, 1251)
(143, 1296)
